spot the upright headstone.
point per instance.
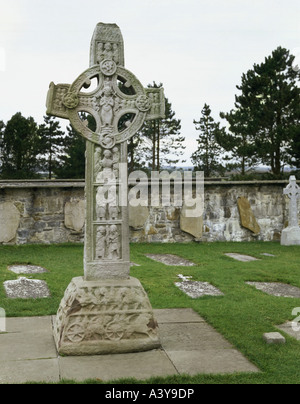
(106, 311)
(291, 234)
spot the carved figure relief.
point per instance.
(106, 106)
(108, 51)
(107, 203)
(100, 244)
(106, 167)
(108, 313)
(113, 242)
(108, 242)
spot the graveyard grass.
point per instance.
(242, 315)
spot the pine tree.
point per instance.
(159, 142)
(269, 109)
(51, 138)
(208, 155)
(71, 163)
(20, 148)
(237, 141)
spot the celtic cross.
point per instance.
(119, 105)
(293, 192)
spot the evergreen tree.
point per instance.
(268, 110)
(159, 142)
(71, 164)
(20, 148)
(52, 139)
(295, 150)
(208, 155)
(237, 141)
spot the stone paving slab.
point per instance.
(210, 361)
(142, 365)
(189, 345)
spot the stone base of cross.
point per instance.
(106, 311)
(291, 234)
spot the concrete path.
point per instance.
(189, 346)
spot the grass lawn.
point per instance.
(242, 315)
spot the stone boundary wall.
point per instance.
(53, 212)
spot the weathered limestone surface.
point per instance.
(106, 311)
(138, 216)
(191, 225)
(9, 221)
(248, 219)
(105, 317)
(75, 215)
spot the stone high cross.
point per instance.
(119, 105)
(291, 234)
(293, 192)
(106, 311)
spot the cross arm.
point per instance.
(55, 100)
(156, 96)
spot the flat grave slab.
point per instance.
(170, 259)
(276, 289)
(241, 257)
(195, 289)
(26, 269)
(25, 288)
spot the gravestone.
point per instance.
(248, 219)
(106, 311)
(170, 259)
(196, 289)
(26, 269)
(9, 221)
(277, 289)
(24, 288)
(241, 257)
(291, 234)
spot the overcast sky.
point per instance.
(198, 49)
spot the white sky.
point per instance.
(198, 49)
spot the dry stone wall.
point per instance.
(54, 212)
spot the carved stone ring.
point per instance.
(108, 67)
(143, 103)
(70, 100)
